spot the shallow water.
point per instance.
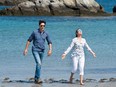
(3, 7)
(99, 32)
(107, 4)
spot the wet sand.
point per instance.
(105, 82)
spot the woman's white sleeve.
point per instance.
(70, 47)
(87, 46)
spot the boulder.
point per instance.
(54, 7)
(11, 2)
(6, 2)
(90, 5)
(2, 2)
(114, 9)
(27, 4)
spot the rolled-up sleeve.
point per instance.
(31, 37)
(48, 40)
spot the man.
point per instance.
(38, 37)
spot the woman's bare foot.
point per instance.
(81, 83)
(81, 80)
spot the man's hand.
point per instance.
(25, 52)
(26, 48)
(49, 52)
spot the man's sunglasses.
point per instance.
(42, 25)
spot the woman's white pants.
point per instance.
(78, 61)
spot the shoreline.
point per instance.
(52, 80)
(80, 15)
(109, 82)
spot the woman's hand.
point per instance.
(63, 56)
(94, 55)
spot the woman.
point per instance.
(78, 57)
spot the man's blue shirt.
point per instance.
(38, 39)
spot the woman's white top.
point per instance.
(78, 47)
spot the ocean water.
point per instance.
(100, 33)
(3, 7)
(107, 4)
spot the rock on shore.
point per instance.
(114, 9)
(11, 2)
(53, 7)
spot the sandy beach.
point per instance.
(106, 84)
(111, 82)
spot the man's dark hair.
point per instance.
(42, 21)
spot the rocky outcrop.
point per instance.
(114, 9)
(54, 7)
(6, 2)
(2, 2)
(11, 2)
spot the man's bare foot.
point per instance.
(71, 80)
